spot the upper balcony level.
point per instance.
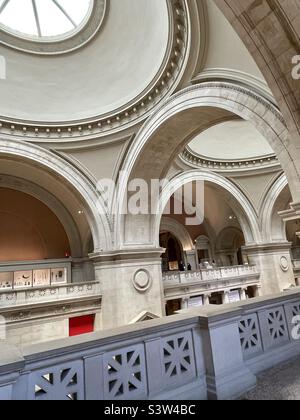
(38, 298)
(213, 274)
(180, 285)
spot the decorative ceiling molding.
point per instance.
(195, 161)
(62, 44)
(236, 76)
(165, 83)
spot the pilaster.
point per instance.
(275, 265)
(130, 284)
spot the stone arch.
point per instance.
(243, 208)
(179, 231)
(227, 237)
(203, 242)
(229, 246)
(270, 31)
(272, 225)
(64, 174)
(186, 114)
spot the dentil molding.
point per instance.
(194, 160)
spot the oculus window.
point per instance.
(44, 19)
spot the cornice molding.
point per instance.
(195, 161)
(236, 76)
(165, 83)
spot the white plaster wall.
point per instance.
(102, 162)
(231, 140)
(226, 50)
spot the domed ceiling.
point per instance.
(125, 68)
(232, 140)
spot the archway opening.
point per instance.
(183, 117)
(173, 258)
(216, 239)
(29, 230)
(229, 247)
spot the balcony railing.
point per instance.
(207, 275)
(181, 357)
(47, 294)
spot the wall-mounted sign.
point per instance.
(22, 279)
(6, 280)
(58, 275)
(234, 296)
(41, 277)
(195, 302)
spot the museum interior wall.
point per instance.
(29, 230)
(184, 102)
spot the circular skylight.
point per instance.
(44, 19)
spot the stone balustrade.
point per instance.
(41, 314)
(181, 357)
(210, 274)
(47, 294)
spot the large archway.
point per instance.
(277, 199)
(29, 230)
(241, 206)
(69, 193)
(272, 38)
(191, 111)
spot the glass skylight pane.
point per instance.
(76, 9)
(55, 17)
(19, 16)
(52, 20)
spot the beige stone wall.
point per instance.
(25, 334)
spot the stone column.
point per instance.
(225, 297)
(191, 258)
(258, 291)
(185, 303)
(206, 298)
(77, 270)
(243, 295)
(274, 262)
(130, 285)
(82, 270)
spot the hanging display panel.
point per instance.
(41, 277)
(22, 279)
(58, 276)
(6, 280)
